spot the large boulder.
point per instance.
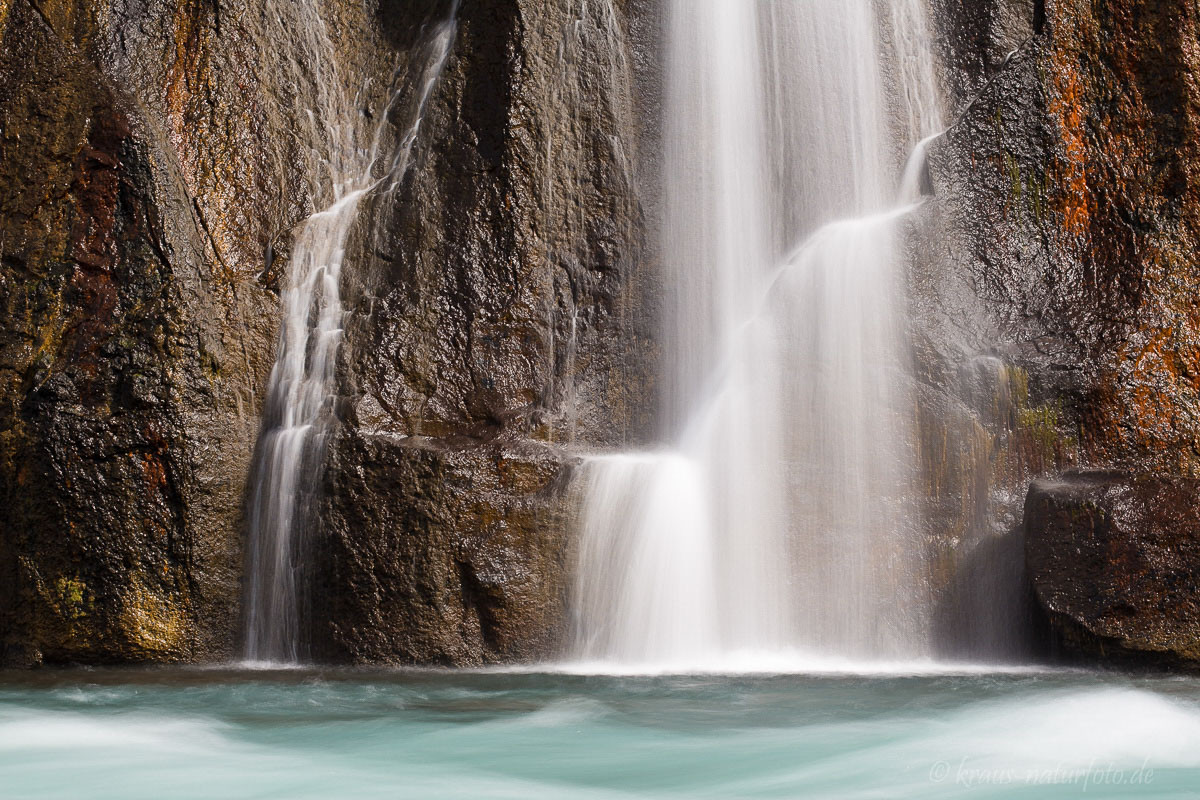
(1114, 560)
(441, 552)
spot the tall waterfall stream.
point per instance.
(777, 523)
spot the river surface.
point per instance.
(206, 733)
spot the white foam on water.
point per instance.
(1106, 742)
(1073, 729)
(778, 662)
(25, 732)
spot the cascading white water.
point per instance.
(665, 609)
(346, 165)
(776, 521)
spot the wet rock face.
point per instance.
(144, 170)
(503, 298)
(93, 543)
(502, 317)
(1068, 182)
(1064, 258)
(1115, 563)
(975, 39)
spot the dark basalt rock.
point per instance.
(1114, 559)
(440, 552)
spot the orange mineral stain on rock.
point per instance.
(1064, 103)
(155, 475)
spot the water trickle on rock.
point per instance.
(348, 161)
(780, 518)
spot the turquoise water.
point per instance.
(343, 734)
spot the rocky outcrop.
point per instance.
(123, 399)
(1064, 255)
(1072, 219)
(441, 553)
(1114, 559)
(502, 322)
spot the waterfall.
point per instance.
(778, 518)
(347, 163)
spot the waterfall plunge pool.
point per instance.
(301, 733)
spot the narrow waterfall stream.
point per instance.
(779, 521)
(348, 163)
